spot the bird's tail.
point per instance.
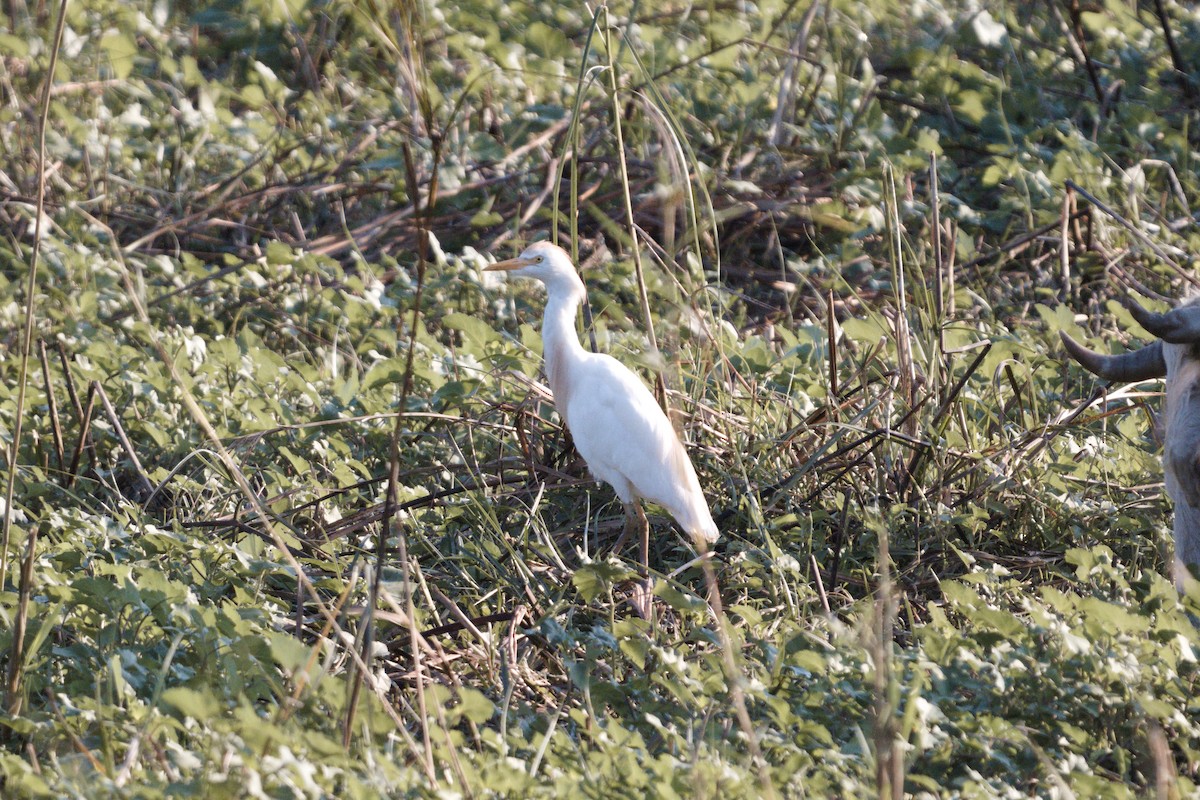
(704, 529)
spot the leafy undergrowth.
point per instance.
(943, 549)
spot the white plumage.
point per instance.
(619, 429)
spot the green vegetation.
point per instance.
(257, 304)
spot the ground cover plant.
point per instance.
(289, 512)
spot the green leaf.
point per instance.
(486, 219)
(200, 706)
(388, 371)
(289, 652)
(598, 578)
(677, 599)
(548, 41)
(477, 332)
(475, 706)
(121, 50)
(13, 46)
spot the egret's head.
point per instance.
(544, 261)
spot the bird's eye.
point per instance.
(539, 259)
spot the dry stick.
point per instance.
(81, 748)
(939, 299)
(1078, 44)
(1012, 245)
(66, 367)
(1129, 226)
(831, 335)
(952, 237)
(904, 354)
(1029, 446)
(1166, 780)
(17, 655)
(146, 486)
(805, 22)
(85, 435)
(878, 435)
(1064, 247)
(465, 622)
(1176, 58)
(369, 514)
(55, 426)
(838, 539)
(816, 573)
(469, 624)
(285, 710)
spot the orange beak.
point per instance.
(510, 264)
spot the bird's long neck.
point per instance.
(560, 342)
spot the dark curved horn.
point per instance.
(1136, 365)
(1178, 326)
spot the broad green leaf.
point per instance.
(199, 705)
(121, 50)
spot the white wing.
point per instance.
(628, 442)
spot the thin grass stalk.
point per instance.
(951, 257)
(939, 289)
(16, 661)
(1166, 780)
(939, 422)
(660, 103)
(413, 65)
(678, 171)
(889, 764)
(733, 675)
(831, 336)
(904, 354)
(1064, 248)
(724, 628)
(30, 289)
(660, 384)
(571, 145)
(391, 504)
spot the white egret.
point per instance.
(618, 427)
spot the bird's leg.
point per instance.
(635, 521)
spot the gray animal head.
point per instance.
(1175, 356)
